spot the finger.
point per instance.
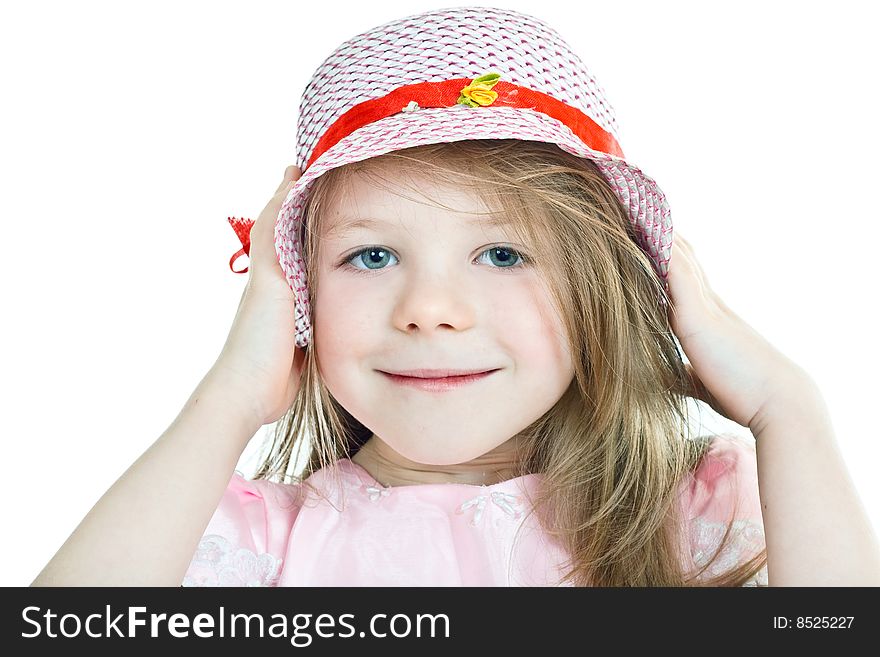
(684, 282)
(681, 263)
(685, 245)
(688, 262)
(696, 267)
(272, 207)
(283, 183)
(291, 173)
(285, 186)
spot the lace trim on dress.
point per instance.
(218, 563)
(747, 539)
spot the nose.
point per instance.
(434, 301)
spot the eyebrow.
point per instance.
(349, 224)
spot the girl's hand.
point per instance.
(260, 360)
(732, 367)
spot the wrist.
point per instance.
(796, 400)
(222, 386)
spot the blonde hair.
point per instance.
(616, 447)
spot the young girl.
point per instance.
(464, 309)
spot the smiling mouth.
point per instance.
(438, 373)
(438, 384)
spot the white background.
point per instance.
(130, 132)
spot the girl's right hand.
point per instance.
(260, 359)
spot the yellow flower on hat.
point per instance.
(479, 92)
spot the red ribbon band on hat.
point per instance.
(445, 94)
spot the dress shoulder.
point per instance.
(246, 539)
(722, 491)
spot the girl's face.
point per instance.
(424, 287)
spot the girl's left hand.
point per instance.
(732, 367)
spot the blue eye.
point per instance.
(374, 257)
(506, 257)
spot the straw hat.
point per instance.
(447, 75)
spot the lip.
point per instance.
(431, 373)
(437, 383)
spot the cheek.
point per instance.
(343, 319)
(535, 331)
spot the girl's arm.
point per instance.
(145, 530)
(817, 531)
(146, 527)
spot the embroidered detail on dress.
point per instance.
(376, 491)
(747, 540)
(218, 563)
(508, 502)
(412, 106)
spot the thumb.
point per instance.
(291, 173)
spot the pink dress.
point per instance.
(263, 534)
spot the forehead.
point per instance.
(360, 204)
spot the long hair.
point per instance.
(615, 449)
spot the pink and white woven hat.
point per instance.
(448, 75)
